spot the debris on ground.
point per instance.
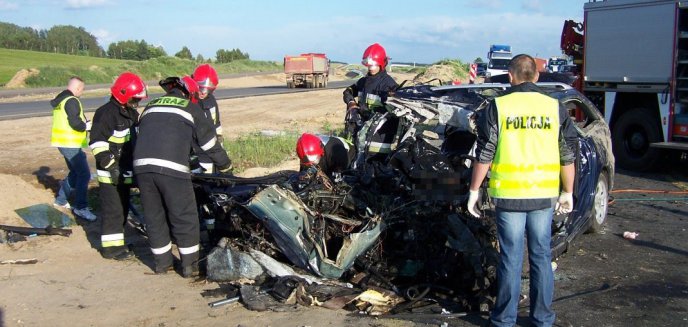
(630, 235)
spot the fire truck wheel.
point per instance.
(631, 138)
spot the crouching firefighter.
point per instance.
(330, 154)
(168, 128)
(112, 143)
(372, 91)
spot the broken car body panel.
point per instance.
(291, 227)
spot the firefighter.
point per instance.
(112, 143)
(331, 154)
(168, 128)
(206, 77)
(372, 91)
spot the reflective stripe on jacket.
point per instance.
(526, 163)
(112, 141)
(372, 92)
(63, 135)
(169, 128)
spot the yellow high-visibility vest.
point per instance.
(526, 163)
(63, 135)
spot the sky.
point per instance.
(422, 31)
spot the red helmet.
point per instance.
(375, 55)
(190, 87)
(128, 86)
(309, 148)
(206, 77)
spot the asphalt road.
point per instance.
(43, 108)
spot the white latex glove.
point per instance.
(88, 125)
(473, 198)
(564, 204)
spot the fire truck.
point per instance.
(632, 57)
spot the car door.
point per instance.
(591, 158)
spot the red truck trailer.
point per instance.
(310, 70)
(632, 57)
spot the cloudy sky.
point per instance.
(423, 31)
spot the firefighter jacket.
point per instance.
(112, 141)
(372, 92)
(524, 145)
(168, 128)
(338, 155)
(212, 112)
(69, 122)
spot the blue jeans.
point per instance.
(512, 227)
(77, 179)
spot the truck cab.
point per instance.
(499, 58)
(555, 64)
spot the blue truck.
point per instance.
(498, 57)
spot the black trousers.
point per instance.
(114, 208)
(169, 206)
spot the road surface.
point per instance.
(43, 108)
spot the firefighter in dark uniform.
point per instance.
(168, 128)
(330, 153)
(112, 143)
(372, 91)
(206, 77)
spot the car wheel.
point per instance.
(631, 138)
(598, 215)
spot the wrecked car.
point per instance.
(398, 224)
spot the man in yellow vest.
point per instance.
(69, 135)
(522, 142)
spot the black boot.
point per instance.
(190, 271)
(116, 253)
(163, 262)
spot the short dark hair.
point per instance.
(523, 68)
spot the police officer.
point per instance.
(112, 143)
(168, 127)
(372, 91)
(330, 153)
(206, 77)
(522, 142)
(70, 134)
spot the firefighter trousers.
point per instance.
(114, 208)
(169, 205)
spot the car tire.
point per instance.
(631, 138)
(598, 214)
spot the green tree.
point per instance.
(225, 56)
(72, 40)
(478, 60)
(134, 50)
(60, 39)
(199, 58)
(156, 51)
(184, 53)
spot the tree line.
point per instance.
(72, 40)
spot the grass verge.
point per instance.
(55, 68)
(259, 150)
